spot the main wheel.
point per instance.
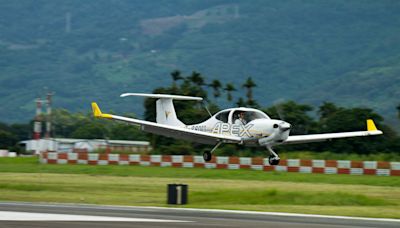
(273, 160)
(207, 156)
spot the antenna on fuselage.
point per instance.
(204, 103)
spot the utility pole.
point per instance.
(48, 116)
(37, 127)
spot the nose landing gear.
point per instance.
(273, 159)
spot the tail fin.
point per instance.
(165, 107)
(166, 113)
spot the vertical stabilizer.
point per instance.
(166, 113)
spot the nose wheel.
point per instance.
(207, 156)
(273, 159)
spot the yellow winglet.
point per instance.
(371, 125)
(97, 112)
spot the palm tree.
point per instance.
(249, 84)
(241, 103)
(196, 78)
(216, 85)
(229, 88)
(176, 75)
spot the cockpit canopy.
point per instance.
(231, 115)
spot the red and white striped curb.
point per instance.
(221, 162)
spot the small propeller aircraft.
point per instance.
(244, 126)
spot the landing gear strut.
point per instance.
(207, 156)
(273, 159)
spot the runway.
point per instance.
(87, 216)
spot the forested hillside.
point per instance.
(345, 52)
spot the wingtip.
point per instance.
(96, 110)
(371, 125)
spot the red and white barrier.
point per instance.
(221, 162)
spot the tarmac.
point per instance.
(17, 214)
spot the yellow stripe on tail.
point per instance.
(371, 125)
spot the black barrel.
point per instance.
(177, 193)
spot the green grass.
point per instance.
(281, 197)
(24, 179)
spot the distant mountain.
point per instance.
(346, 52)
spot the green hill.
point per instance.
(309, 51)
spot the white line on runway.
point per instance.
(28, 216)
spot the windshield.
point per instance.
(247, 116)
(223, 116)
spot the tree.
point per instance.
(229, 88)
(91, 130)
(339, 119)
(241, 102)
(22, 131)
(176, 75)
(122, 131)
(216, 85)
(7, 139)
(9, 136)
(65, 123)
(398, 111)
(328, 109)
(196, 78)
(295, 114)
(249, 85)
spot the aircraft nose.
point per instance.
(284, 126)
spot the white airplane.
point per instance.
(243, 126)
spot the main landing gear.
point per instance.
(273, 159)
(207, 156)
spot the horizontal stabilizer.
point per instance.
(166, 96)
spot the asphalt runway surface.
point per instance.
(88, 216)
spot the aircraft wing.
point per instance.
(170, 131)
(371, 130)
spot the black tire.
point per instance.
(272, 160)
(207, 156)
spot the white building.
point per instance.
(89, 145)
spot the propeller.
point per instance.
(278, 107)
(284, 126)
